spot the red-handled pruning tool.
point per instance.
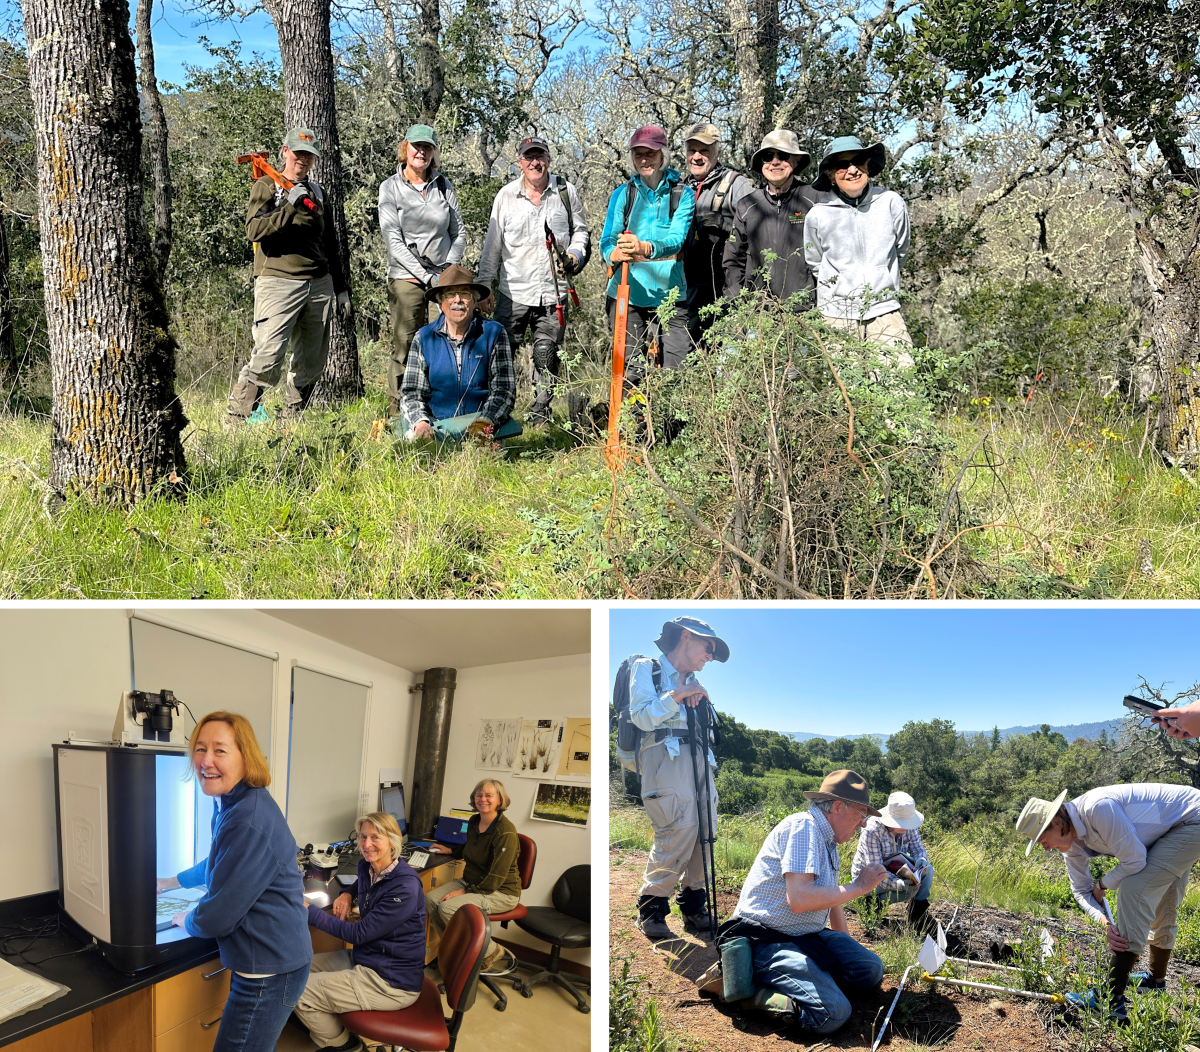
(259, 167)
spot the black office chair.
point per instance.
(567, 924)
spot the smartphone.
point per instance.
(1146, 708)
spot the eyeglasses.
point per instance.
(861, 161)
(775, 155)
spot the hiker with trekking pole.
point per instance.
(646, 225)
(664, 720)
(298, 280)
(537, 241)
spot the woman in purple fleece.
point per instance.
(384, 970)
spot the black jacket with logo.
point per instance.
(764, 223)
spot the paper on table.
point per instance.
(21, 991)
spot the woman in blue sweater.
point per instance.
(383, 972)
(254, 906)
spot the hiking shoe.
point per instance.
(1090, 1002)
(698, 923)
(771, 1001)
(655, 927)
(1145, 981)
(243, 401)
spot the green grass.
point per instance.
(324, 511)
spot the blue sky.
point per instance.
(860, 670)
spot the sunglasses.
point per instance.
(861, 161)
(775, 155)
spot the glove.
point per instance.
(343, 305)
(572, 264)
(478, 431)
(297, 194)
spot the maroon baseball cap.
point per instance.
(649, 135)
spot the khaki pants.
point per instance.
(439, 912)
(408, 312)
(290, 315)
(888, 330)
(669, 797)
(336, 985)
(1147, 901)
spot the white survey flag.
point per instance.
(1047, 945)
(931, 957)
(941, 937)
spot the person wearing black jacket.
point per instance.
(772, 220)
(383, 972)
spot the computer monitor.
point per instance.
(391, 801)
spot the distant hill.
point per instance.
(1071, 731)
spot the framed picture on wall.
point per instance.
(568, 805)
(575, 759)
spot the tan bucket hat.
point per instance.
(1036, 816)
(785, 142)
(847, 786)
(901, 811)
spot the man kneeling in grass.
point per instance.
(1153, 831)
(801, 966)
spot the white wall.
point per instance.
(63, 670)
(551, 687)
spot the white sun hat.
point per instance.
(901, 811)
(1036, 816)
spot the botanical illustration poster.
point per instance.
(568, 805)
(496, 748)
(575, 760)
(538, 748)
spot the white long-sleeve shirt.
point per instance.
(515, 245)
(1123, 822)
(650, 709)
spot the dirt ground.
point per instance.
(925, 1015)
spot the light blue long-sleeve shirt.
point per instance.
(650, 709)
(651, 221)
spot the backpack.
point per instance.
(629, 736)
(561, 185)
(677, 189)
(714, 216)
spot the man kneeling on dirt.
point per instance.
(1153, 831)
(801, 967)
(895, 832)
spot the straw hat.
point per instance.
(847, 786)
(901, 811)
(1036, 816)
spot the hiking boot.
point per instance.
(297, 400)
(919, 918)
(698, 923)
(393, 407)
(1145, 982)
(243, 401)
(1090, 1002)
(655, 927)
(539, 414)
(771, 1001)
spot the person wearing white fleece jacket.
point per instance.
(855, 241)
(1153, 831)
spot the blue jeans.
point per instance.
(257, 1010)
(822, 1005)
(909, 891)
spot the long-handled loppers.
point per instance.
(259, 166)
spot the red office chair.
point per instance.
(421, 1026)
(526, 857)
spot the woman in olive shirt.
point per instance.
(490, 880)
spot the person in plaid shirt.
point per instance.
(896, 830)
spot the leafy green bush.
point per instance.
(736, 793)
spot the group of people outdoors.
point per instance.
(698, 236)
(254, 905)
(806, 966)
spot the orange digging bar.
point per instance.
(620, 325)
(259, 166)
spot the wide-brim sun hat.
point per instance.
(456, 275)
(1036, 816)
(785, 142)
(876, 158)
(848, 786)
(704, 630)
(901, 812)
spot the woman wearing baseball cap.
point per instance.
(646, 225)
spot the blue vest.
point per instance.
(452, 393)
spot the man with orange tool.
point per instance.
(298, 280)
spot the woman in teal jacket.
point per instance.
(647, 223)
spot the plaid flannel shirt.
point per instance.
(875, 843)
(415, 389)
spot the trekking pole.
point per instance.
(707, 860)
(259, 167)
(616, 387)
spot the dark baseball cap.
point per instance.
(700, 628)
(534, 142)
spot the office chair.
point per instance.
(526, 858)
(566, 924)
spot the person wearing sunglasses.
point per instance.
(766, 248)
(661, 690)
(856, 239)
(790, 910)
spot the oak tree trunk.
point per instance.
(9, 366)
(116, 420)
(430, 64)
(306, 52)
(156, 139)
(754, 25)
